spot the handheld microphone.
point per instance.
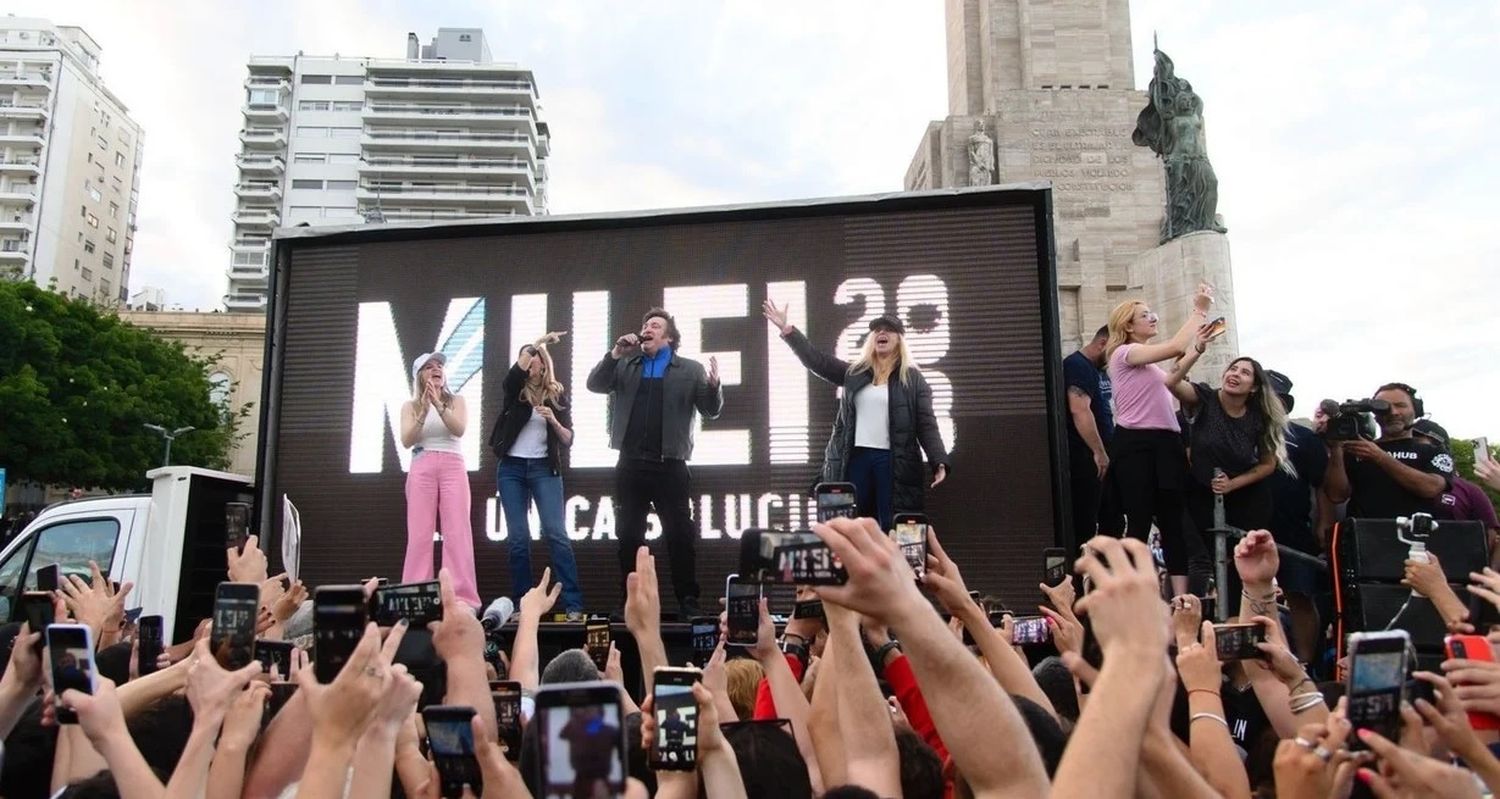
(497, 614)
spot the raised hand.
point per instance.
(1305, 766)
(1125, 605)
(286, 605)
(942, 577)
(1405, 773)
(342, 709)
(625, 343)
(881, 584)
(551, 338)
(1203, 298)
(210, 688)
(242, 723)
(1486, 585)
(713, 371)
(642, 594)
(1487, 471)
(1256, 559)
(1198, 663)
(459, 636)
(249, 565)
(776, 316)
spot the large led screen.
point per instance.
(970, 274)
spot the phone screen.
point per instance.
(1482, 449)
(1054, 565)
(1032, 630)
(235, 608)
(676, 744)
(910, 534)
(596, 642)
(1217, 326)
(705, 640)
(582, 747)
(450, 737)
(418, 603)
(72, 650)
(836, 500)
(148, 644)
(47, 577)
(36, 607)
(799, 558)
(808, 609)
(275, 654)
(1237, 641)
(1375, 685)
(742, 606)
(236, 524)
(506, 695)
(338, 624)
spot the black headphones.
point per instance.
(1416, 401)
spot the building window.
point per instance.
(88, 245)
(93, 222)
(307, 184)
(94, 194)
(309, 158)
(348, 105)
(343, 158)
(464, 37)
(104, 286)
(341, 185)
(312, 105)
(316, 80)
(264, 98)
(349, 80)
(110, 235)
(114, 210)
(312, 132)
(103, 143)
(75, 264)
(219, 387)
(119, 159)
(83, 211)
(88, 274)
(109, 260)
(344, 133)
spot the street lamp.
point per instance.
(166, 456)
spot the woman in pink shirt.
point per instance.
(1147, 459)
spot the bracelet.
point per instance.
(1200, 348)
(797, 636)
(1192, 691)
(1214, 716)
(1308, 704)
(885, 649)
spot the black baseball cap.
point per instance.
(888, 322)
(1430, 429)
(1281, 385)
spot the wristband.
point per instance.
(1192, 691)
(802, 638)
(885, 649)
(1214, 716)
(798, 651)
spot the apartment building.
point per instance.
(444, 133)
(70, 160)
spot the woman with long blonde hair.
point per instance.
(1147, 459)
(885, 420)
(533, 429)
(437, 485)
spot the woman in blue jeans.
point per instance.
(533, 429)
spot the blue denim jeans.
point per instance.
(523, 481)
(874, 487)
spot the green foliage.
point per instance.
(1463, 465)
(77, 386)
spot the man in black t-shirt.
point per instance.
(1091, 424)
(1395, 475)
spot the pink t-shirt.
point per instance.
(1142, 400)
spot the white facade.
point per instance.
(444, 133)
(70, 160)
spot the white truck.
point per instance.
(170, 543)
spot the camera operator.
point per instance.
(1397, 474)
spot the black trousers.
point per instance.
(1087, 491)
(666, 485)
(1149, 468)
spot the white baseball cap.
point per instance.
(421, 361)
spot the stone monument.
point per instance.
(1171, 125)
(981, 157)
(1052, 83)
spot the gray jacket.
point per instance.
(685, 389)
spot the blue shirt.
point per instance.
(654, 367)
(1081, 373)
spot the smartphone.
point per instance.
(236, 525)
(506, 694)
(910, 534)
(1054, 565)
(450, 738)
(148, 644)
(1217, 327)
(36, 611)
(808, 609)
(582, 736)
(596, 641)
(1237, 641)
(275, 654)
(1031, 630)
(339, 618)
(742, 606)
(418, 603)
(47, 577)
(705, 639)
(235, 607)
(72, 649)
(676, 744)
(1482, 450)
(1378, 666)
(800, 558)
(1473, 647)
(281, 693)
(835, 500)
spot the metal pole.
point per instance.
(166, 456)
(437, 553)
(1221, 559)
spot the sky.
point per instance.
(1351, 138)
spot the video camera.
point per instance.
(1352, 420)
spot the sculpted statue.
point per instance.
(981, 157)
(1171, 125)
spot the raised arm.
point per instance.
(525, 653)
(455, 415)
(708, 392)
(602, 377)
(643, 612)
(818, 362)
(1177, 382)
(864, 717)
(411, 423)
(1181, 343)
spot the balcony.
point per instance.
(381, 139)
(21, 164)
(263, 139)
(14, 251)
(243, 273)
(257, 217)
(501, 198)
(261, 164)
(439, 166)
(23, 193)
(410, 86)
(25, 79)
(264, 112)
(420, 215)
(245, 302)
(481, 116)
(23, 138)
(17, 223)
(13, 110)
(268, 82)
(258, 190)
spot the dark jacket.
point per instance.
(684, 389)
(514, 414)
(913, 425)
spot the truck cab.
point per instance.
(170, 543)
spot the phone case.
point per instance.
(1473, 647)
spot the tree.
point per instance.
(77, 386)
(1463, 465)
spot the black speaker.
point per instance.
(1372, 606)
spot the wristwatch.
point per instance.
(797, 650)
(885, 649)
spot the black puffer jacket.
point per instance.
(913, 425)
(514, 414)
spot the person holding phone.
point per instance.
(437, 486)
(885, 419)
(1237, 436)
(534, 428)
(1148, 463)
(654, 394)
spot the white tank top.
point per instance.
(872, 417)
(435, 436)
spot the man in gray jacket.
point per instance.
(654, 393)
